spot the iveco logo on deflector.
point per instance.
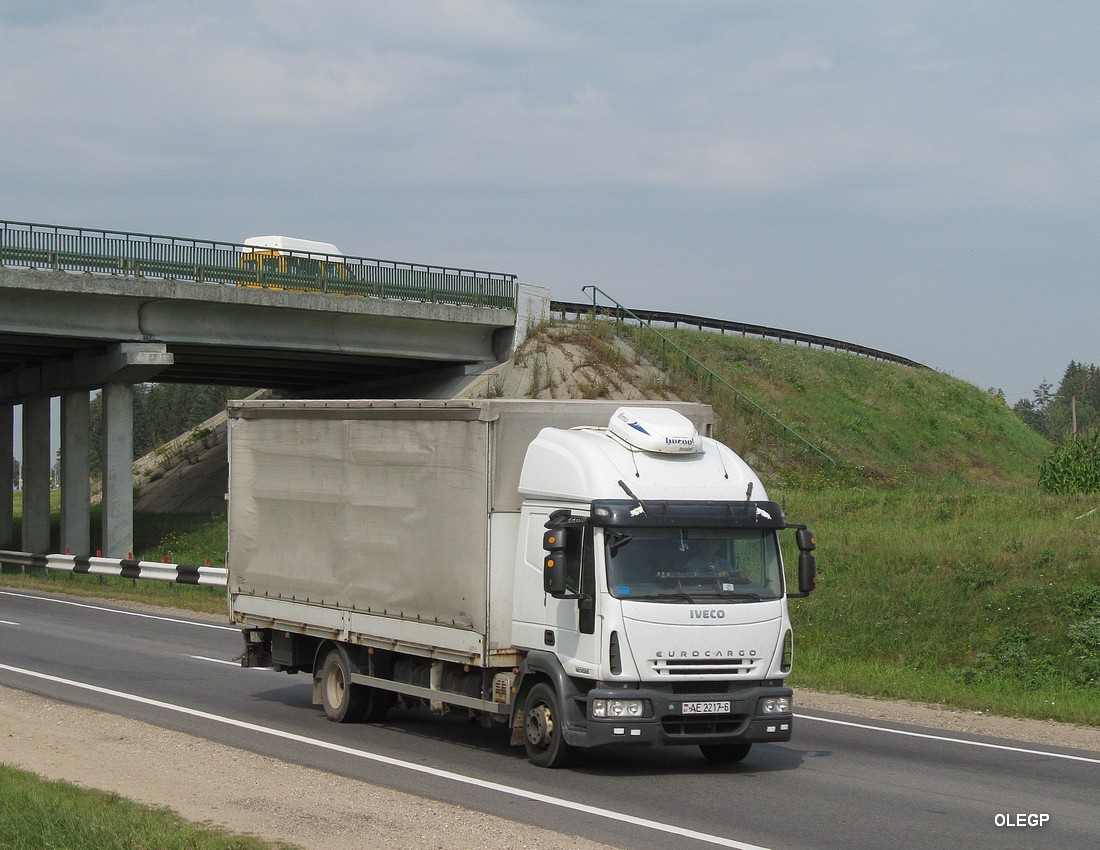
(707, 614)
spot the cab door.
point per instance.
(568, 627)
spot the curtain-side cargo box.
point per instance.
(387, 519)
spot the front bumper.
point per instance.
(667, 724)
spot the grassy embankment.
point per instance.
(944, 574)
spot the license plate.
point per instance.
(707, 707)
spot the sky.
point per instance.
(918, 177)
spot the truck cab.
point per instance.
(653, 612)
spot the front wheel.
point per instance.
(343, 702)
(542, 729)
(725, 753)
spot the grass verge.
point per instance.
(40, 814)
(979, 599)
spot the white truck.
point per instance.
(584, 573)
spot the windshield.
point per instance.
(693, 564)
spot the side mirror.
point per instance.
(553, 565)
(807, 573)
(807, 563)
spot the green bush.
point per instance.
(1074, 467)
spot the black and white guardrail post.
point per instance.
(124, 568)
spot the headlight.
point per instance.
(618, 708)
(774, 705)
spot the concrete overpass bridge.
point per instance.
(82, 310)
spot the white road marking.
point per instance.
(8, 623)
(645, 823)
(224, 661)
(948, 739)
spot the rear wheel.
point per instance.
(542, 729)
(377, 703)
(343, 702)
(725, 753)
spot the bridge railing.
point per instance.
(144, 255)
(675, 320)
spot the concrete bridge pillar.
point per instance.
(118, 470)
(118, 461)
(75, 473)
(7, 473)
(36, 474)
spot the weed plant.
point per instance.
(1074, 467)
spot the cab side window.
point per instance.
(582, 570)
(574, 547)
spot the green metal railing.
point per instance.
(699, 370)
(142, 255)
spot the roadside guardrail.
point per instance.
(120, 567)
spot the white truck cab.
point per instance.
(667, 591)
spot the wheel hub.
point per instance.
(540, 726)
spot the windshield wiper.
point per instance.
(616, 540)
(727, 596)
(667, 597)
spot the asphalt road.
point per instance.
(843, 782)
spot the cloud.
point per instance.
(797, 149)
(23, 14)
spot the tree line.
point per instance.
(1054, 412)
(162, 412)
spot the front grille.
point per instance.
(700, 687)
(690, 727)
(667, 667)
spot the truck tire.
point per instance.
(376, 703)
(542, 733)
(725, 753)
(343, 702)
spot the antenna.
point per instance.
(641, 505)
